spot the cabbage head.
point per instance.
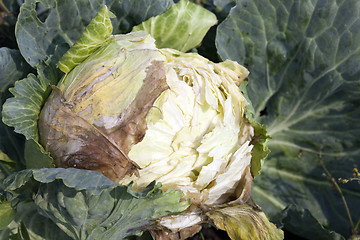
(138, 113)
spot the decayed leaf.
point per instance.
(244, 222)
(91, 148)
(183, 234)
(81, 133)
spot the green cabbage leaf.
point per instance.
(303, 57)
(86, 205)
(182, 27)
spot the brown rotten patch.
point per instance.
(74, 142)
(132, 125)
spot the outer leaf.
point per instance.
(9, 232)
(7, 214)
(59, 28)
(244, 222)
(221, 9)
(23, 109)
(292, 217)
(94, 35)
(113, 214)
(286, 180)
(63, 21)
(222, 4)
(182, 27)
(305, 88)
(18, 179)
(12, 67)
(36, 157)
(86, 205)
(130, 13)
(72, 178)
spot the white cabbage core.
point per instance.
(198, 138)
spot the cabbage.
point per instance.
(141, 114)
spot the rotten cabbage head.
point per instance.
(138, 113)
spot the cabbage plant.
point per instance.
(139, 113)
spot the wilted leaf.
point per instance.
(244, 222)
